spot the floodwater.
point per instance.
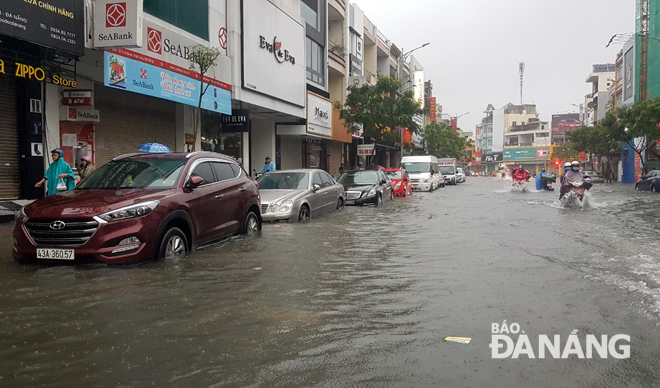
(363, 297)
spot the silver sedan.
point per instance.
(297, 195)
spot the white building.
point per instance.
(595, 103)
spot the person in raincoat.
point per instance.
(86, 167)
(59, 169)
(574, 175)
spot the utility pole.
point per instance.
(643, 31)
(521, 66)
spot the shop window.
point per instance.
(315, 62)
(215, 140)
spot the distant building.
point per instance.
(601, 79)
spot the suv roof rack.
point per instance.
(191, 154)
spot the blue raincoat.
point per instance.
(52, 176)
(539, 183)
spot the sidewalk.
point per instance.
(9, 208)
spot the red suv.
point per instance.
(140, 207)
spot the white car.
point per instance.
(460, 175)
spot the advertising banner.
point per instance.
(59, 24)
(562, 124)
(432, 109)
(407, 136)
(526, 153)
(319, 115)
(491, 157)
(141, 77)
(239, 121)
(454, 124)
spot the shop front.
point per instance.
(534, 159)
(31, 57)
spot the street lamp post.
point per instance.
(402, 59)
(455, 117)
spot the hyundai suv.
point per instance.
(140, 207)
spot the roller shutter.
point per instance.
(9, 168)
(130, 119)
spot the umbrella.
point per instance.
(154, 148)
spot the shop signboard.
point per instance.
(143, 78)
(78, 97)
(238, 121)
(59, 24)
(118, 23)
(319, 115)
(366, 149)
(526, 153)
(492, 157)
(273, 52)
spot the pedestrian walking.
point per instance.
(59, 176)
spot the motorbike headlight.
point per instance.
(132, 211)
(286, 206)
(397, 186)
(372, 192)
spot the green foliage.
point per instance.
(443, 142)
(201, 58)
(381, 109)
(596, 140)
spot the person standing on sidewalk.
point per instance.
(58, 170)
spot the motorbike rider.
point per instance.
(574, 175)
(520, 174)
(567, 168)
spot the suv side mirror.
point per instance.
(195, 181)
(316, 187)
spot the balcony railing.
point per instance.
(337, 58)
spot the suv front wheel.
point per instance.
(174, 243)
(252, 224)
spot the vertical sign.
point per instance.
(454, 123)
(433, 108)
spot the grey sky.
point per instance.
(476, 46)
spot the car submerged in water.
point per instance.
(141, 207)
(366, 187)
(298, 195)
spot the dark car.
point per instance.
(140, 207)
(593, 176)
(650, 181)
(364, 187)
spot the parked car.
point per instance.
(651, 181)
(297, 195)
(460, 175)
(593, 176)
(364, 187)
(401, 181)
(141, 207)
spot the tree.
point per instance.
(628, 124)
(443, 142)
(381, 109)
(202, 59)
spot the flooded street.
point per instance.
(364, 297)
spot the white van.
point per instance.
(423, 171)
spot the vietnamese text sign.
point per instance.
(59, 24)
(366, 149)
(140, 77)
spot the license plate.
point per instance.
(350, 202)
(55, 254)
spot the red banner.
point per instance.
(432, 109)
(583, 156)
(407, 136)
(454, 123)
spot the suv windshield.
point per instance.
(138, 174)
(416, 167)
(284, 181)
(359, 178)
(447, 170)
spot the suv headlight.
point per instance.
(372, 192)
(20, 216)
(132, 211)
(286, 206)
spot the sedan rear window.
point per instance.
(138, 174)
(359, 178)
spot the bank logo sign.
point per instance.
(123, 23)
(115, 15)
(154, 41)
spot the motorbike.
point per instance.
(520, 180)
(573, 193)
(547, 180)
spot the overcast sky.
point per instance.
(476, 46)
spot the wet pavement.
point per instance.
(363, 297)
